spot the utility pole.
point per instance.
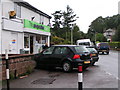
(71, 36)
(72, 27)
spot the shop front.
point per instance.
(35, 36)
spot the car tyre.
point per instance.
(85, 67)
(93, 63)
(107, 53)
(67, 66)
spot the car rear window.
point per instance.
(80, 49)
(85, 43)
(104, 44)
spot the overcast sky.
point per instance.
(86, 10)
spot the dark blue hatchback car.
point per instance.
(65, 56)
(103, 47)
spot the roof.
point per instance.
(83, 40)
(27, 5)
(66, 45)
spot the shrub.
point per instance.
(114, 44)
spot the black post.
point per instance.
(80, 77)
(7, 69)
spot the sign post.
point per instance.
(80, 76)
(7, 69)
(0, 27)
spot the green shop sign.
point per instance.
(37, 26)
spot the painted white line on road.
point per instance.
(112, 75)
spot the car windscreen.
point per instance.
(80, 49)
(92, 49)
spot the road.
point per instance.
(110, 65)
(103, 75)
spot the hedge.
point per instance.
(114, 44)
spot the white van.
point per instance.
(85, 42)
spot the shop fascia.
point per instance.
(35, 25)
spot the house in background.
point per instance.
(109, 33)
(24, 28)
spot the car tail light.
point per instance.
(98, 45)
(90, 55)
(76, 57)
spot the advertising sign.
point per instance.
(35, 25)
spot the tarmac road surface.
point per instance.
(103, 75)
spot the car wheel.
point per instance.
(107, 53)
(67, 66)
(85, 67)
(93, 63)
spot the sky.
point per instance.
(86, 10)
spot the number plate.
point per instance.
(86, 62)
(93, 54)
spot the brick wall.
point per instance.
(18, 65)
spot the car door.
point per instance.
(58, 54)
(45, 57)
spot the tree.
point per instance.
(116, 36)
(98, 25)
(63, 21)
(77, 34)
(57, 19)
(57, 23)
(68, 20)
(100, 37)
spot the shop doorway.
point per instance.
(31, 44)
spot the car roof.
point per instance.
(90, 47)
(103, 43)
(65, 45)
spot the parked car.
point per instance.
(65, 56)
(103, 47)
(94, 54)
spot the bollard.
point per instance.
(7, 69)
(80, 76)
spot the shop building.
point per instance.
(24, 28)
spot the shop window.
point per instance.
(44, 39)
(18, 10)
(26, 42)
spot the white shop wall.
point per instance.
(46, 21)
(12, 41)
(28, 14)
(20, 42)
(7, 6)
(25, 13)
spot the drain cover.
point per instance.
(44, 81)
